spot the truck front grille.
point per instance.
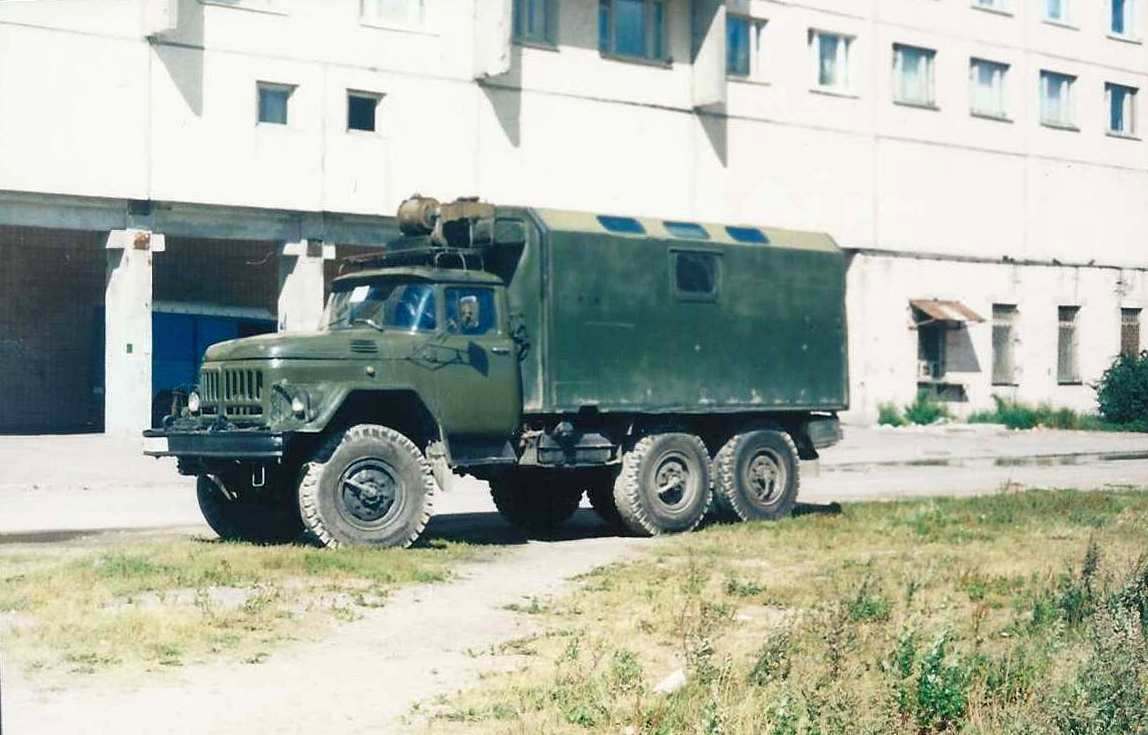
(232, 391)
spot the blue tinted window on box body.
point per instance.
(627, 225)
(690, 230)
(748, 234)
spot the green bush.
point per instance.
(889, 415)
(1122, 393)
(925, 410)
(1017, 415)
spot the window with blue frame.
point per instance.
(1121, 18)
(633, 28)
(536, 21)
(743, 46)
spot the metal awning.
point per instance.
(945, 311)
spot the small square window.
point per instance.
(831, 60)
(1000, 6)
(1121, 103)
(1056, 103)
(392, 13)
(274, 102)
(695, 275)
(913, 75)
(1056, 11)
(361, 109)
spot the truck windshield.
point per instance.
(408, 307)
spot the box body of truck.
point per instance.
(700, 322)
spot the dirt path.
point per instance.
(362, 678)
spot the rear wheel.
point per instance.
(239, 512)
(664, 485)
(757, 475)
(370, 487)
(535, 501)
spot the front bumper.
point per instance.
(238, 444)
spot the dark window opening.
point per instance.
(361, 110)
(696, 274)
(931, 351)
(688, 230)
(748, 234)
(626, 225)
(1130, 332)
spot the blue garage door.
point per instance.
(178, 344)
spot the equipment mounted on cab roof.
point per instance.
(452, 235)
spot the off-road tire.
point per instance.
(732, 467)
(323, 502)
(535, 501)
(720, 510)
(246, 514)
(636, 496)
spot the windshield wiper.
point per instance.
(368, 322)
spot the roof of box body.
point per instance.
(560, 220)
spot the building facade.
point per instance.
(173, 172)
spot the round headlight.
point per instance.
(298, 406)
(193, 402)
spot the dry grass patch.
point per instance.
(1015, 613)
(169, 601)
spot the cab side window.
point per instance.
(470, 310)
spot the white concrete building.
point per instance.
(204, 160)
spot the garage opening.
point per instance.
(204, 292)
(51, 330)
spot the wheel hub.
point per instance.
(368, 490)
(671, 479)
(765, 477)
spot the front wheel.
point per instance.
(239, 512)
(370, 487)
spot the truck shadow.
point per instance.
(489, 529)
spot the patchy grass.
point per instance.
(1017, 415)
(152, 603)
(1013, 613)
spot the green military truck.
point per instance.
(658, 367)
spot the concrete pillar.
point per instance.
(301, 284)
(708, 18)
(127, 330)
